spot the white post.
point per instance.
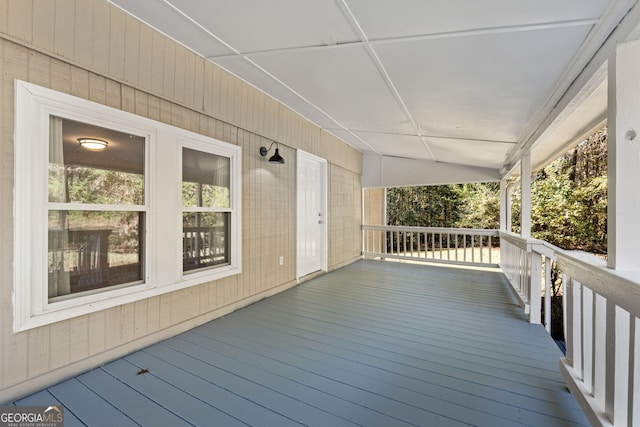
(505, 205)
(535, 286)
(385, 221)
(384, 207)
(525, 187)
(532, 260)
(624, 157)
(547, 294)
(509, 205)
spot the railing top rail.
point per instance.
(443, 230)
(536, 245)
(623, 289)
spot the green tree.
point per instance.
(475, 205)
(480, 206)
(569, 198)
(427, 206)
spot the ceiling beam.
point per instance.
(386, 171)
(416, 37)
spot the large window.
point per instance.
(96, 208)
(111, 207)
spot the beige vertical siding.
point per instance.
(373, 200)
(92, 50)
(345, 213)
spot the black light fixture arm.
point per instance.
(264, 151)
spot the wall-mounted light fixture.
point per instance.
(276, 158)
(93, 144)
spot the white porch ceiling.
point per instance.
(465, 82)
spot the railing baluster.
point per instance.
(600, 350)
(473, 250)
(621, 367)
(521, 273)
(490, 250)
(569, 315)
(372, 235)
(386, 242)
(404, 243)
(576, 333)
(464, 253)
(411, 243)
(448, 246)
(396, 243)
(587, 338)
(456, 239)
(547, 294)
(433, 245)
(534, 288)
(376, 245)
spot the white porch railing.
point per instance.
(527, 265)
(601, 324)
(602, 365)
(431, 244)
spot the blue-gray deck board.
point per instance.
(45, 398)
(372, 344)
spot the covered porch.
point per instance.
(469, 94)
(376, 343)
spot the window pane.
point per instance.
(114, 175)
(205, 179)
(205, 240)
(93, 250)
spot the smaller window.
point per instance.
(206, 216)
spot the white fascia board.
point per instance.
(385, 171)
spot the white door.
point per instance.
(312, 251)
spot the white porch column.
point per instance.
(505, 204)
(525, 190)
(624, 158)
(505, 207)
(385, 219)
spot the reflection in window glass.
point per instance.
(113, 176)
(205, 179)
(93, 250)
(205, 241)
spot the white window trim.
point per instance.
(163, 206)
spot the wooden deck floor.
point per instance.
(372, 344)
